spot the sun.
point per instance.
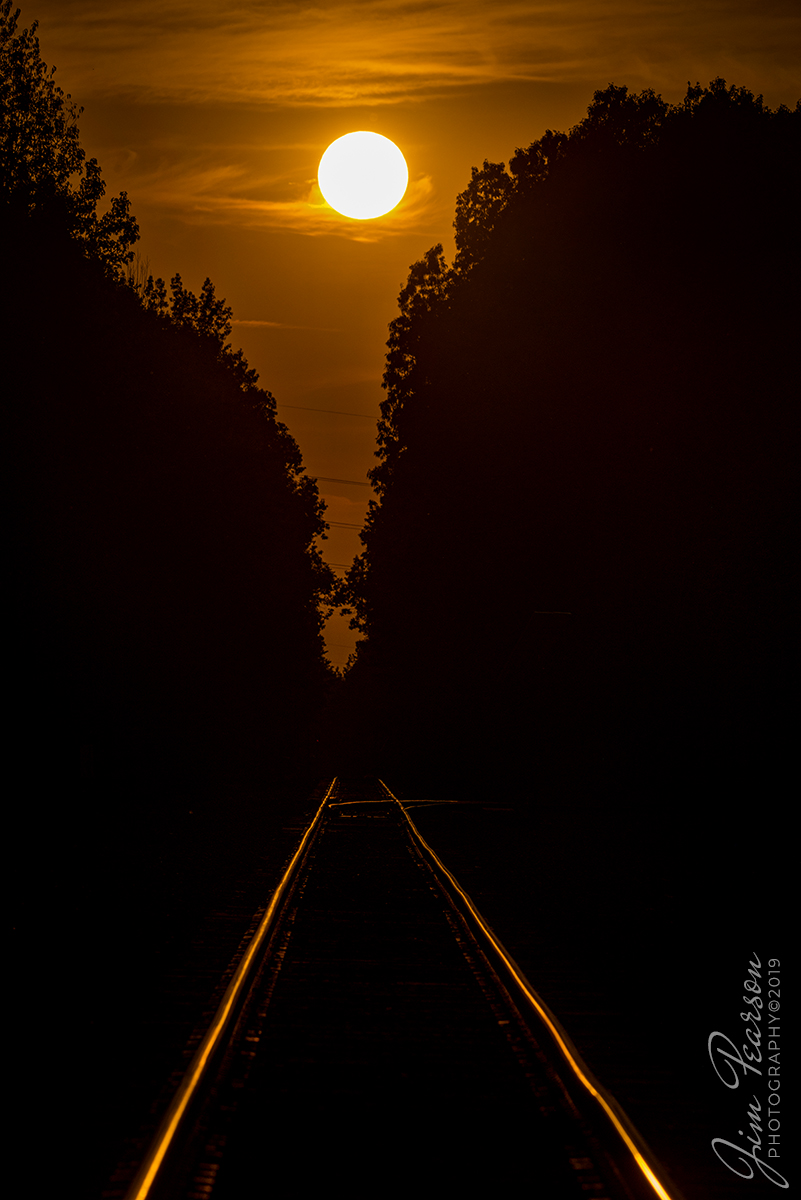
(363, 175)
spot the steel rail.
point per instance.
(147, 1177)
(578, 1067)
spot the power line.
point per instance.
(334, 411)
(328, 479)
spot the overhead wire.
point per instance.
(333, 411)
(328, 479)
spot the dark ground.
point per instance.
(639, 944)
(636, 930)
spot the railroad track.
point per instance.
(376, 1035)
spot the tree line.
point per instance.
(578, 564)
(168, 594)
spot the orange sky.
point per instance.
(213, 115)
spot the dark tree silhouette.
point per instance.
(165, 664)
(577, 591)
(589, 414)
(40, 151)
(41, 159)
(170, 581)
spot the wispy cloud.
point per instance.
(204, 191)
(340, 52)
(179, 76)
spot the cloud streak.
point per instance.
(203, 191)
(382, 52)
(177, 76)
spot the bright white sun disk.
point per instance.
(363, 175)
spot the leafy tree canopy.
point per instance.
(42, 165)
(583, 451)
(44, 174)
(165, 527)
(620, 126)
